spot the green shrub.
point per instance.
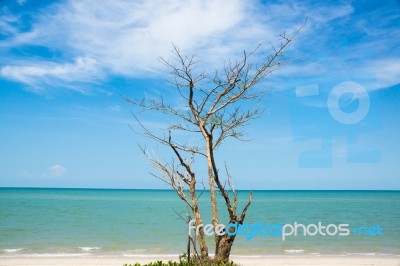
(194, 261)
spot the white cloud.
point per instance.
(56, 171)
(127, 37)
(115, 108)
(21, 2)
(387, 71)
(36, 73)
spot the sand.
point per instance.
(242, 260)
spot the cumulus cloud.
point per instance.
(56, 171)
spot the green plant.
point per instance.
(193, 262)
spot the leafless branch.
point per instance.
(215, 109)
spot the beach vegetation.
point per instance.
(184, 261)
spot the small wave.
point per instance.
(145, 251)
(58, 255)
(151, 255)
(139, 250)
(294, 250)
(11, 250)
(248, 256)
(89, 248)
(45, 255)
(362, 254)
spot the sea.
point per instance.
(130, 222)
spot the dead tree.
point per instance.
(215, 109)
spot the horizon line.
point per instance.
(206, 190)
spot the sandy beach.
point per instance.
(242, 260)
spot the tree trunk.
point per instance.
(211, 177)
(223, 248)
(197, 217)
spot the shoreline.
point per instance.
(245, 260)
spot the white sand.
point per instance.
(245, 261)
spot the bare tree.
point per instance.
(214, 111)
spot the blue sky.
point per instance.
(331, 121)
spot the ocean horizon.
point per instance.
(146, 222)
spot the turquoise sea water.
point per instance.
(141, 222)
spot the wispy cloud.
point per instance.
(115, 108)
(127, 37)
(21, 2)
(54, 74)
(388, 71)
(56, 171)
